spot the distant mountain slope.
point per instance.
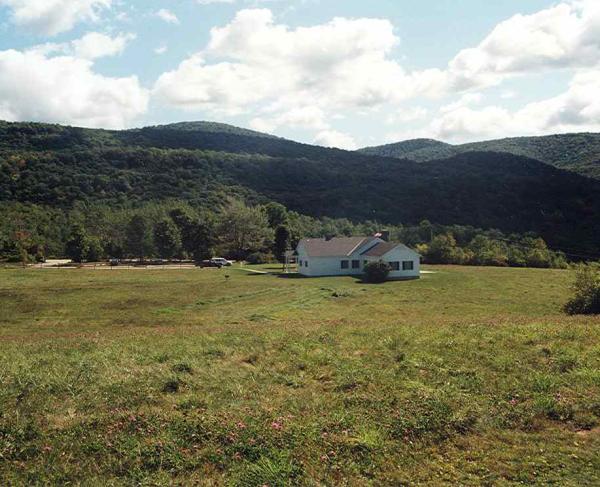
(185, 135)
(60, 166)
(410, 149)
(212, 127)
(574, 152)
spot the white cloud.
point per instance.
(161, 49)
(208, 2)
(296, 77)
(65, 89)
(564, 36)
(405, 115)
(344, 63)
(51, 17)
(575, 110)
(95, 45)
(306, 117)
(168, 16)
(92, 45)
(333, 138)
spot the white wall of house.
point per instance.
(332, 266)
(329, 266)
(401, 255)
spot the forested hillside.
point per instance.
(579, 153)
(204, 164)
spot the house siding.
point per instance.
(402, 254)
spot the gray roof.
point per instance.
(335, 247)
(382, 248)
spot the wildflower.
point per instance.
(276, 425)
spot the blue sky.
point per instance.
(345, 73)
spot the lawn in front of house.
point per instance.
(224, 377)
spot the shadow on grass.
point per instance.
(289, 275)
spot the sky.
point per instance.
(339, 73)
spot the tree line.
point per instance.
(255, 233)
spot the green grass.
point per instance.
(469, 376)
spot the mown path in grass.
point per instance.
(469, 375)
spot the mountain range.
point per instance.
(579, 153)
(525, 187)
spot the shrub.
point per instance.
(586, 289)
(376, 272)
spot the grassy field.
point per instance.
(468, 376)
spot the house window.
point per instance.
(365, 262)
(345, 264)
(300, 263)
(395, 266)
(356, 264)
(305, 263)
(408, 265)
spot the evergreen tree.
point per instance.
(282, 242)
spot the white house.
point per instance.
(347, 256)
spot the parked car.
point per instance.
(216, 262)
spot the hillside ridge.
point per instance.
(56, 166)
(577, 152)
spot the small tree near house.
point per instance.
(282, 242)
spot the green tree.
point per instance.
(77, 247)
(516, 256)
(488, 252)
(138, 237)
(95, 250)
(426, 231)
(203, 237)
(538, 254)
(186, 222)
(167, 238)
(443, 250)
(277, 214)
(282, 242)
(244, 229)
(197, 232)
